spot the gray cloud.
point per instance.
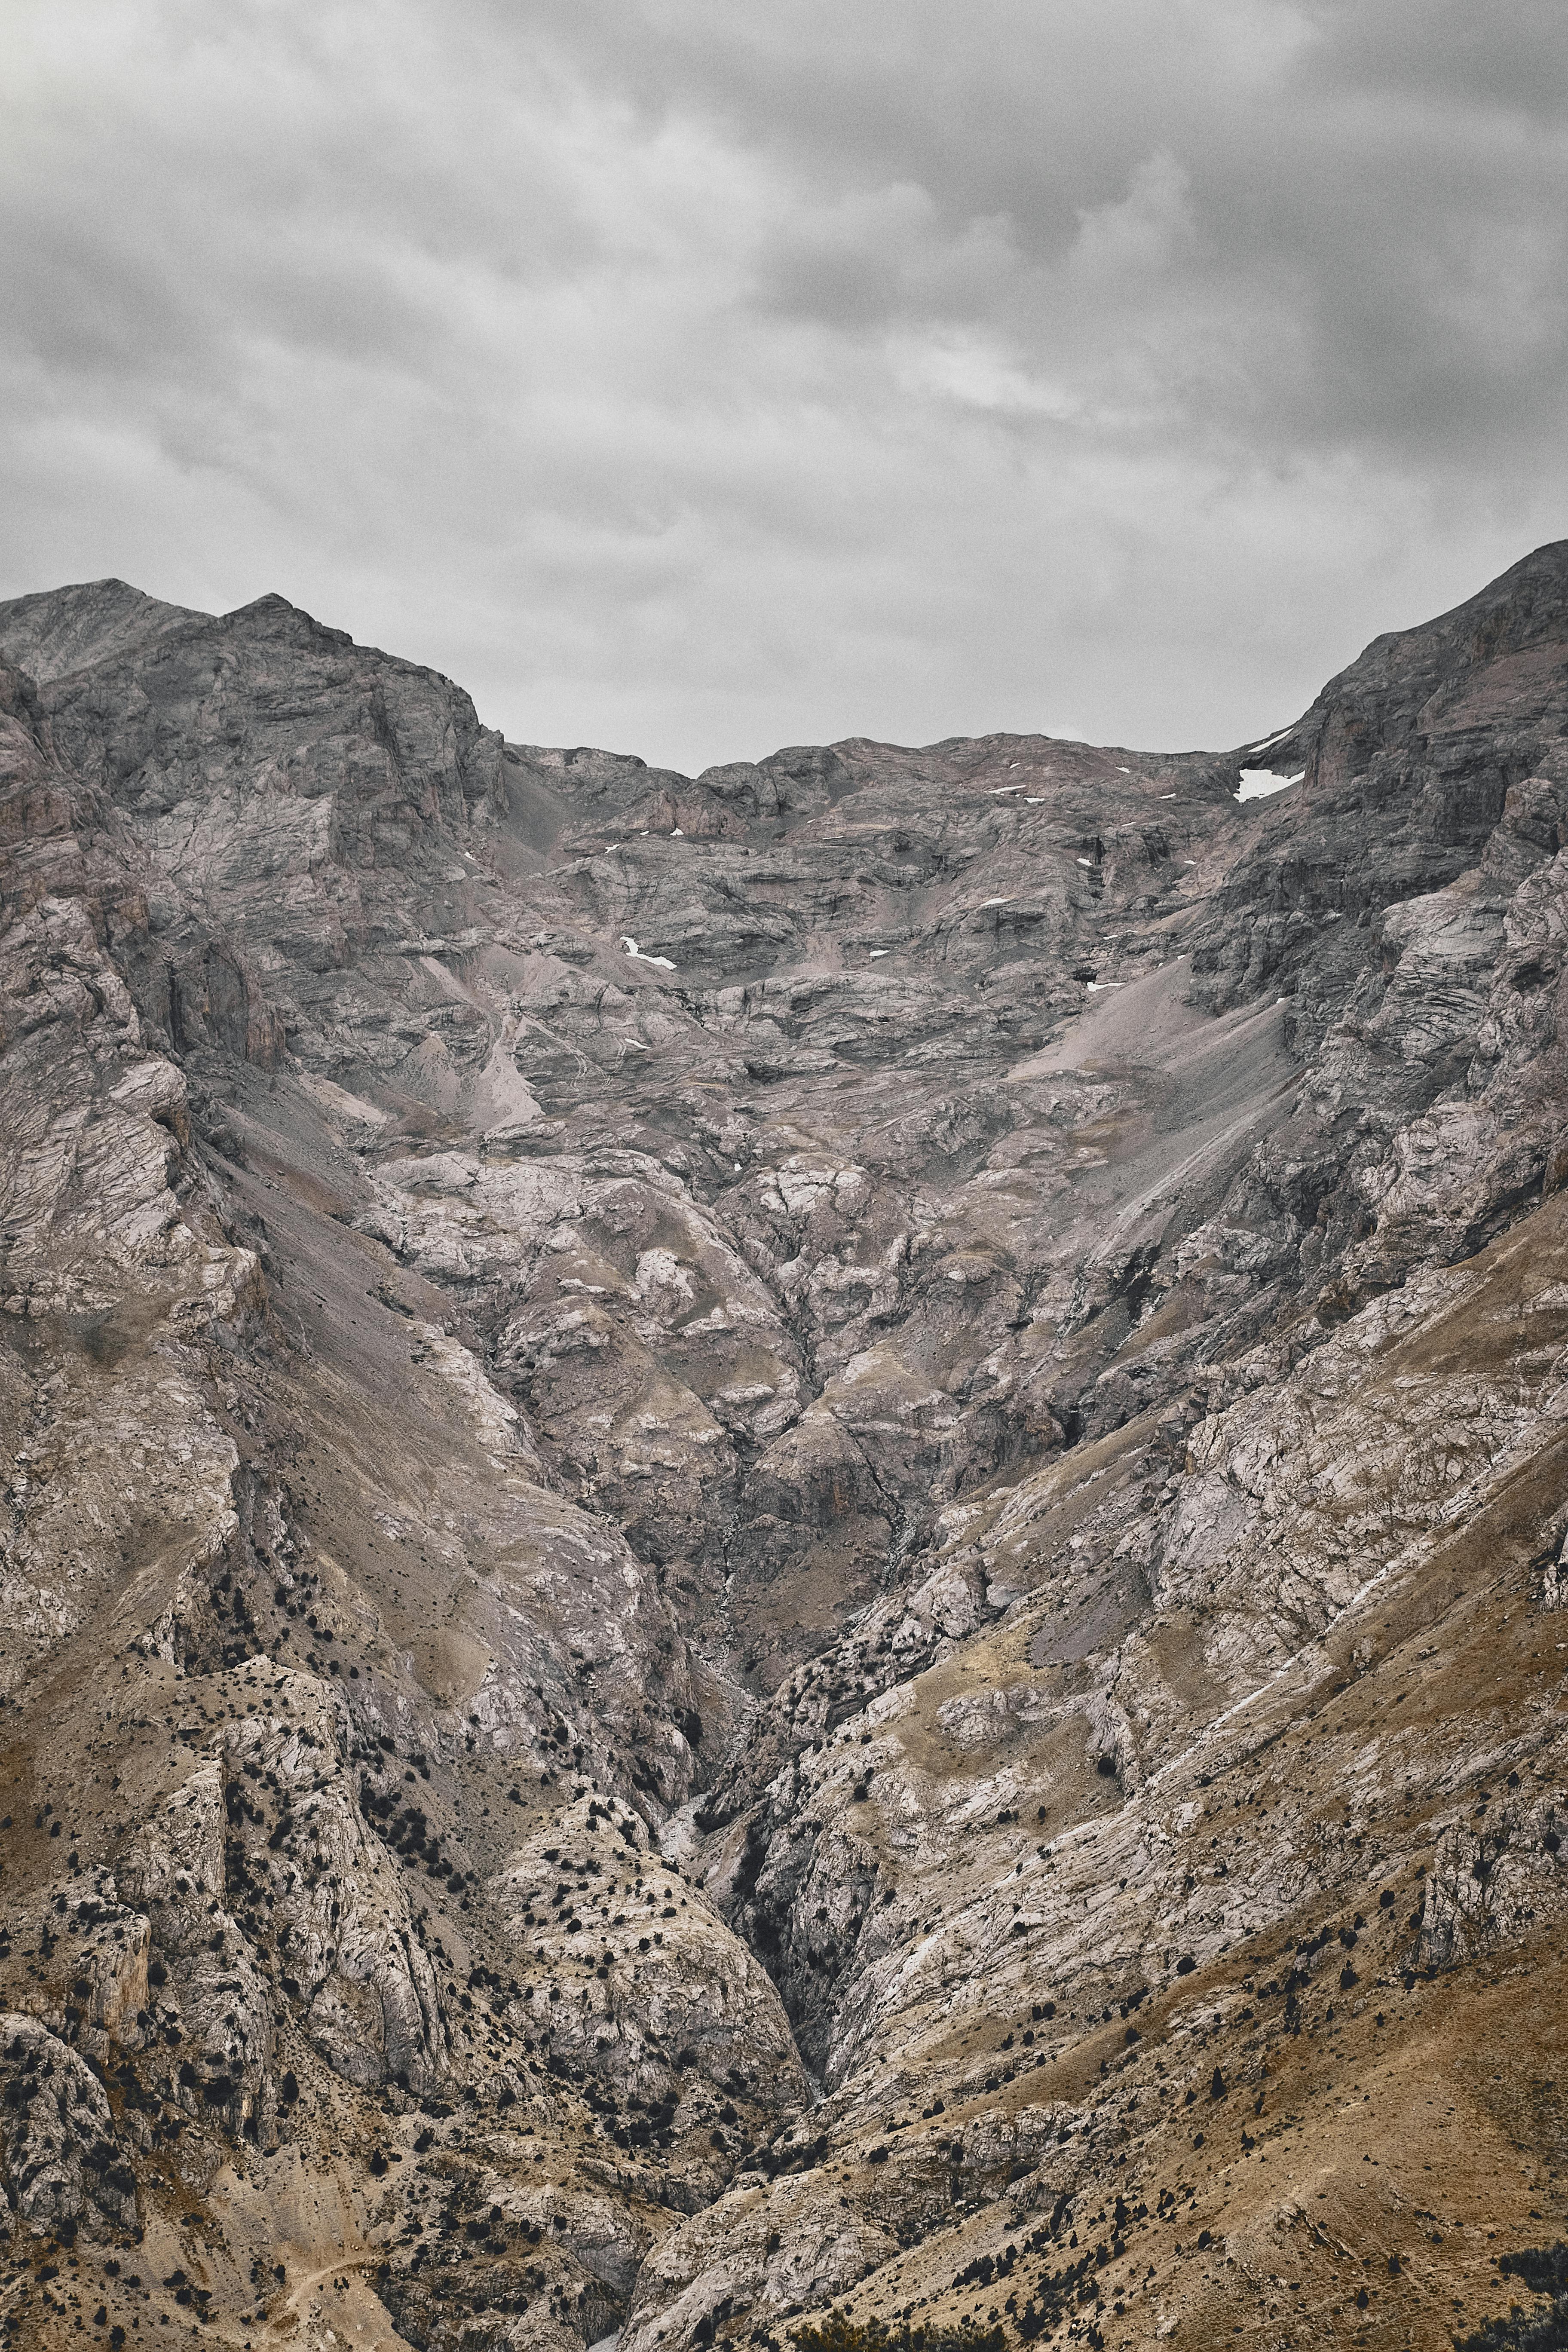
(698, 378)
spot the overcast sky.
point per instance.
(695, 376)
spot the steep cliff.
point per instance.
(777, 1540)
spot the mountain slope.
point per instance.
(784, 1537)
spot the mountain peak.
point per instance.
(827, 1505)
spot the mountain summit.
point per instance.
(781, 1550)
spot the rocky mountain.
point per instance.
(781, 1552)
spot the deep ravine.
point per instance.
(854, 1614)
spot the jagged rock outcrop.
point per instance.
(783, 1538)
(59, 2159)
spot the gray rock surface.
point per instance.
(745, 1515)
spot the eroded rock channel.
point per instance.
(778, 1544)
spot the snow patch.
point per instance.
(632, 948)
(1262, 784)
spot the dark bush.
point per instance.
(1540, 2271)
(837, 2333)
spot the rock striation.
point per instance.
(781, 1551)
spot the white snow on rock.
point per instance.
(1262, 784)
(636, 952)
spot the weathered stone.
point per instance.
(949, 1363)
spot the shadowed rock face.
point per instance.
(784, 1537)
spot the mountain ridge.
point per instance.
(749, 1517)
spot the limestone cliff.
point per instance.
(782, 1540)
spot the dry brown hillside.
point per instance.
(784, 1553)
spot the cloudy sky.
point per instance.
(695, 376)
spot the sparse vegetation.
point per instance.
(840, 2332)
(1541, 2270)
(348, 1568)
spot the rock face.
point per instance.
(783, 1540)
